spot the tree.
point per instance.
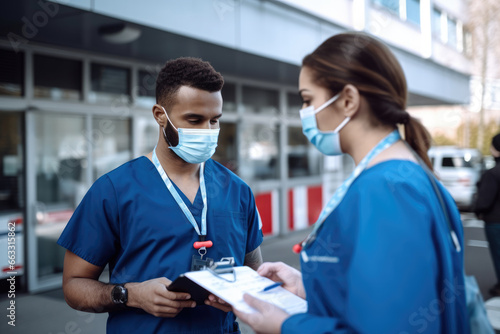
(488, 132)
(484, 24)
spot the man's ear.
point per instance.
(159, 115)
(350, 100)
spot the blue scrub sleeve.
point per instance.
(308, 323)
(92, 231)
(254, 235)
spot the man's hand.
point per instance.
(218, 303)
(153, 297)
(268, 318)
(280, 272)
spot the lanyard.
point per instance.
(170, 186)
(342, 190)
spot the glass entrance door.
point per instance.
(12, 197)
(57, 174)
(65, 154)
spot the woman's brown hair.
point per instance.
(368, 64)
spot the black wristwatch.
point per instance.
(119, 294)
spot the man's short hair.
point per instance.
(185, 71)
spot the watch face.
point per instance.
(119, 294)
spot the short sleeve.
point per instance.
(254, 236)
(92, 231)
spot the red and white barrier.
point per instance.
(303, 206)
(268, 206)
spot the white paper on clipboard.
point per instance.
(247, 281)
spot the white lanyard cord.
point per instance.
(178, 199)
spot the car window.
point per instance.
(460, 162)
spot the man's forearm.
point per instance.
(89, 295)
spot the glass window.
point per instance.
(11, 73)
(147, 132)
(227, 150)
(452, 32)
(259, 152)
(466, 161)
(229, 97)
(109, 84)
(467, 42)
(303, 158)
(110, 140)
(260, 101)
(436, 22)
(60, 163)
(294, 103)
(146, 89)
(57, 78)
(413, 11)
(389, 4)
(11, 163)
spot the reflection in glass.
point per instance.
(11, 164)
(259, 152)
(229, 97)
(226, 152)
(303, 158)
(60, 163)
(111, 144)
(413, 11)
(452, 32)
(146, 135)
(145, 87)
(389, 4)
(436, 23)
(294, 104)
(11, 73)
(260, 100)
(57, 78)
(109, 84)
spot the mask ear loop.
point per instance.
(341, 125)
(327, 103)
(168, 118)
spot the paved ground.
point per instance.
(47, 313)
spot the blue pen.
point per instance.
(272, 286)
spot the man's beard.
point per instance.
(170, 135)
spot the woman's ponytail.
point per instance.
(419, 139)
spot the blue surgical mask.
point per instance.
(195, 145)
(327, 143)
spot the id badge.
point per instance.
(197, 263)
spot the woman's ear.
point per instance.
(350, 100)
(159, 115)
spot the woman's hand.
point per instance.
(280, 272)
(268, 318)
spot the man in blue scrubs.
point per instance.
(144, 218)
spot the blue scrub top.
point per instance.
(130, 220)
(384, 262)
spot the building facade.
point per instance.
(77, 86)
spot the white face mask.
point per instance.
(195, 145)
(327, 143)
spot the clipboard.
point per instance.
(231, 285)
(184, 284)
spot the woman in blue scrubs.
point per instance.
(381, 257)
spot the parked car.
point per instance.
(459, 169)
(488, 162)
